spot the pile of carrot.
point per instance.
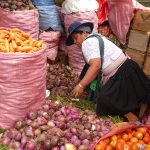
(17, 41)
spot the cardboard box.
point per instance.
(146, 67)
(141, 21)
(136, 55)
(138, 40)
(148, 50)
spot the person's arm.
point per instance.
(94, 66)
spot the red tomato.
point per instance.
(130, 135)
(100, 147)
(125, 137)
(113, 143)
(146, 140)
(114, 137)
(120, 145)
(134, 140)
(109, 147)
(138, 135)
(142, 130)
(135, 147)
(141, 142)
(107, 140)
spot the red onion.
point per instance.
(83, 147)
(19, 124)
(73, 139)
(28, 131)
(69, 146)
(54, 141)
(61, 125)
(28, 122)
(62, 147)
(55, 148)
(73, 130)
(47, 144)
(68, 135)
(77, 143)
(34, 124)
(23, 140)
(37, 132)
(58, 113)
(6, 141)
(13, 133)
(44, 127)
(31, 145)
(31, 115)
(51, 124)
(86, 142)
(46, 107)
(63, 110)
(42, 137)
(18, 137)
(41, 121)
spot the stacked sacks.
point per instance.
(50, 26)
(49, 17)
(82, 11)
(22, 15)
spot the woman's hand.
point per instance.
(78, 90)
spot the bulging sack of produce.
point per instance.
(49, 18)
(43, 2)
(26, 20)
(52, 39)
(71, 6)
(126, 136)
(75, 55)
(22, 77)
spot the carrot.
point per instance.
(20, 37)
(25, 35)
(14, 45)
(15, 30)
(7, 45)
(11, 47)
(39, 44)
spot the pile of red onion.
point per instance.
(56, 127)
(61, 79)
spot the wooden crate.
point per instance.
(137, 56)
(138, 40)
(146, 67)
(148, 50)
(141, 21)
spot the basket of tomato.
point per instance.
(126, 137)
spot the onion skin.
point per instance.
(83, 147)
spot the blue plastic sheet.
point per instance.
(43, 2)
(49, 18)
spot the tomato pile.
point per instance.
(131, 139)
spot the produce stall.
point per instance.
(34, 59)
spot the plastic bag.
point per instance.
(52, 39)
(120, 15)
(27, 20)
(49, 18)
(120, 129)
(102, 11)
(43, 2)
(22, 85)
(70, 6)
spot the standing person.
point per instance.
(124, 85)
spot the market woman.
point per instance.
(122, 86)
